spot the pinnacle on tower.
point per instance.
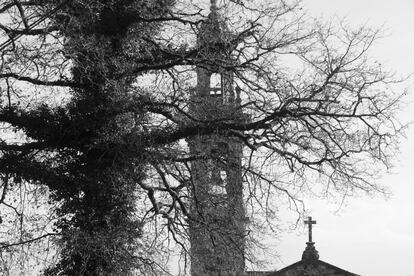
(213, 5)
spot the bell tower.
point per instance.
(217, 222)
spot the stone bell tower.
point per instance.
(217, 224)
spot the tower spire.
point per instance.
(213, 5)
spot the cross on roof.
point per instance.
(309, 222)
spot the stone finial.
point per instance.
(310, 254)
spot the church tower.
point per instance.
(217, 215)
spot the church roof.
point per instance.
(259, 273)
(314, 268)
(304, 268)
(310, 265)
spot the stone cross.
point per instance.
(309, 222)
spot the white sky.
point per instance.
(369, 236)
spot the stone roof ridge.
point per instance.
(338, 268)
(260, 273)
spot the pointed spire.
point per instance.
(213, 5)
(213, 28)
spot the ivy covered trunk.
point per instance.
(97, 162)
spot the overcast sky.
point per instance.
(370, 237)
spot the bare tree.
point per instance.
(96, 107)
